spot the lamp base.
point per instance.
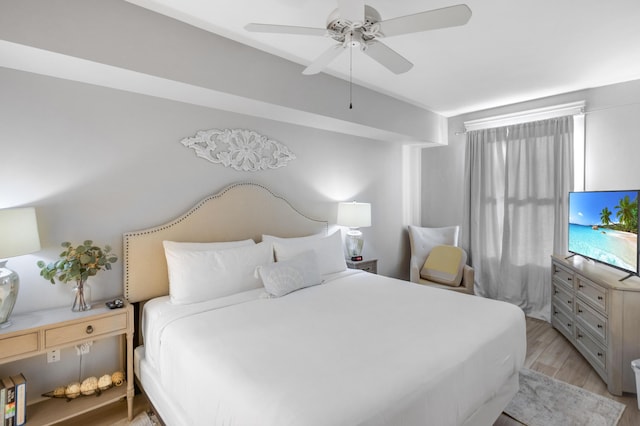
(354, 243)
(9, 284)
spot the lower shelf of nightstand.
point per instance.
(55, 410)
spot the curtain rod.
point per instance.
(584, 112)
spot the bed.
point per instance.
(344, 348)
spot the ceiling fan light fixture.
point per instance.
(338, 28)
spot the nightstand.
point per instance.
(36, 333)
(368, 265)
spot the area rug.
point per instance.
(544, 401)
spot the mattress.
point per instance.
(359, 349)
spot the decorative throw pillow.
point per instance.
(328, 249)
(197, 275)
(445, 265)
(283, 277)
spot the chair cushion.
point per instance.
(445, 265)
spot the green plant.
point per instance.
(78, 263)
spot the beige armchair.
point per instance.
(422, 241)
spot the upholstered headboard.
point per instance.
(238, 212)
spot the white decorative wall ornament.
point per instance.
(243, 150)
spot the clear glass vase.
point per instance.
(82, 297)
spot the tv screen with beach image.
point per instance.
(603, 225)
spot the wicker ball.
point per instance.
(105, 382)
(117, 378)
(89, 386)
(59, 392)
(72, 390)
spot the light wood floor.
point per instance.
(550, 353)
(547, 352)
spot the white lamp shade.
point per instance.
(18, 232)
(354, 215)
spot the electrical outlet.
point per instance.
(53, 356)
(84, 348)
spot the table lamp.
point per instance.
(354, 215)
(18, 236)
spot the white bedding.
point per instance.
(360, 349)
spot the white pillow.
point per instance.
(207, 246)
(328, 249)
(283, 277)
(196, 275)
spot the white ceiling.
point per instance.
(510, 50)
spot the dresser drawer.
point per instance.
(562, 296)
(562, 276)
(562, 321)
(18, 345)
(84, 330)
(591, 349)
(592, 293)
(592, 320)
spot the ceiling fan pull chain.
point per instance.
(351, 73)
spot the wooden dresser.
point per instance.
(600, 315)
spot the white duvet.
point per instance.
(360, 349)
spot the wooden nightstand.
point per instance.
(369, 265)
(38, 332)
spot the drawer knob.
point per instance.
(555, 312)
(569, 279)
(89, 329)
(569, 301)
(599, 325)
(569, 325)
(579, 311)
(580, 286)
(600, 298)
(600, 354)
(555, 291)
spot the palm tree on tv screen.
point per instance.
(605, 216)
(627, 213)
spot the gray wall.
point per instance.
(98, 162)
(611, 149)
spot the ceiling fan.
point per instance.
(354, 24)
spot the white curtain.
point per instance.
(516, 209)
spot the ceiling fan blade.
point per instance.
(323, 60)
(451, 16)
(388, 57)
(351, 10)
(284, 29)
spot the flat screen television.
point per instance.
(603, 226)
